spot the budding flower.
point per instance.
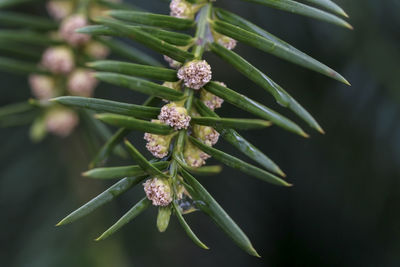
(225, 41)
(158, 190)
(61, 122)
(68, 28)
(59, 9)
(195, 74)
(181, 9)
(206, 134)
(81, 82)
(174, 116)
(59, 59)
(97, 50)
(42, 86)
(158, 145)
(210, 100)
(194, 156)
(172, 63)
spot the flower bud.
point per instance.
(206, 134)
(210, 100)
(68, 28)
(97, 50)
(172, 63)
(194, 156)
(81, 82)
(158, 190)
(42, 86)
(195, 74)
(158, 145)
(181, 9)
(59, 9)
(61, 121)
(225, 41)
(58, 59)
(174, 116)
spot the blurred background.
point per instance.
(342, 211)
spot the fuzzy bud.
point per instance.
(42, 86)
(174, 116)
(194, 156)
(195, 74)
(206, 134)
(158, 145)
(210, 100)
(59, 59)
(158, 191)
(61, 122)
(59, 9)
(181, 9)
(225, 41)
(68, 28)
(172, 63)
(81, 82)
(97, 50)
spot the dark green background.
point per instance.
(342, 211)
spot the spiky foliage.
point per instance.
(180, 134)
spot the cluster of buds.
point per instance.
(195, 74)
(206, 134)
(175, 116)
(183, 9)
(158, 190)
(194, 156)
(158, 145)
(61, 62)
(61, 121)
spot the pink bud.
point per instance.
(42, 86)
(61, 122)
(59, 59)
(158, 191)
(174, 116)
(195, 74)
(81, 82)
(68, 28)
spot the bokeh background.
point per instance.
(342, 211)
